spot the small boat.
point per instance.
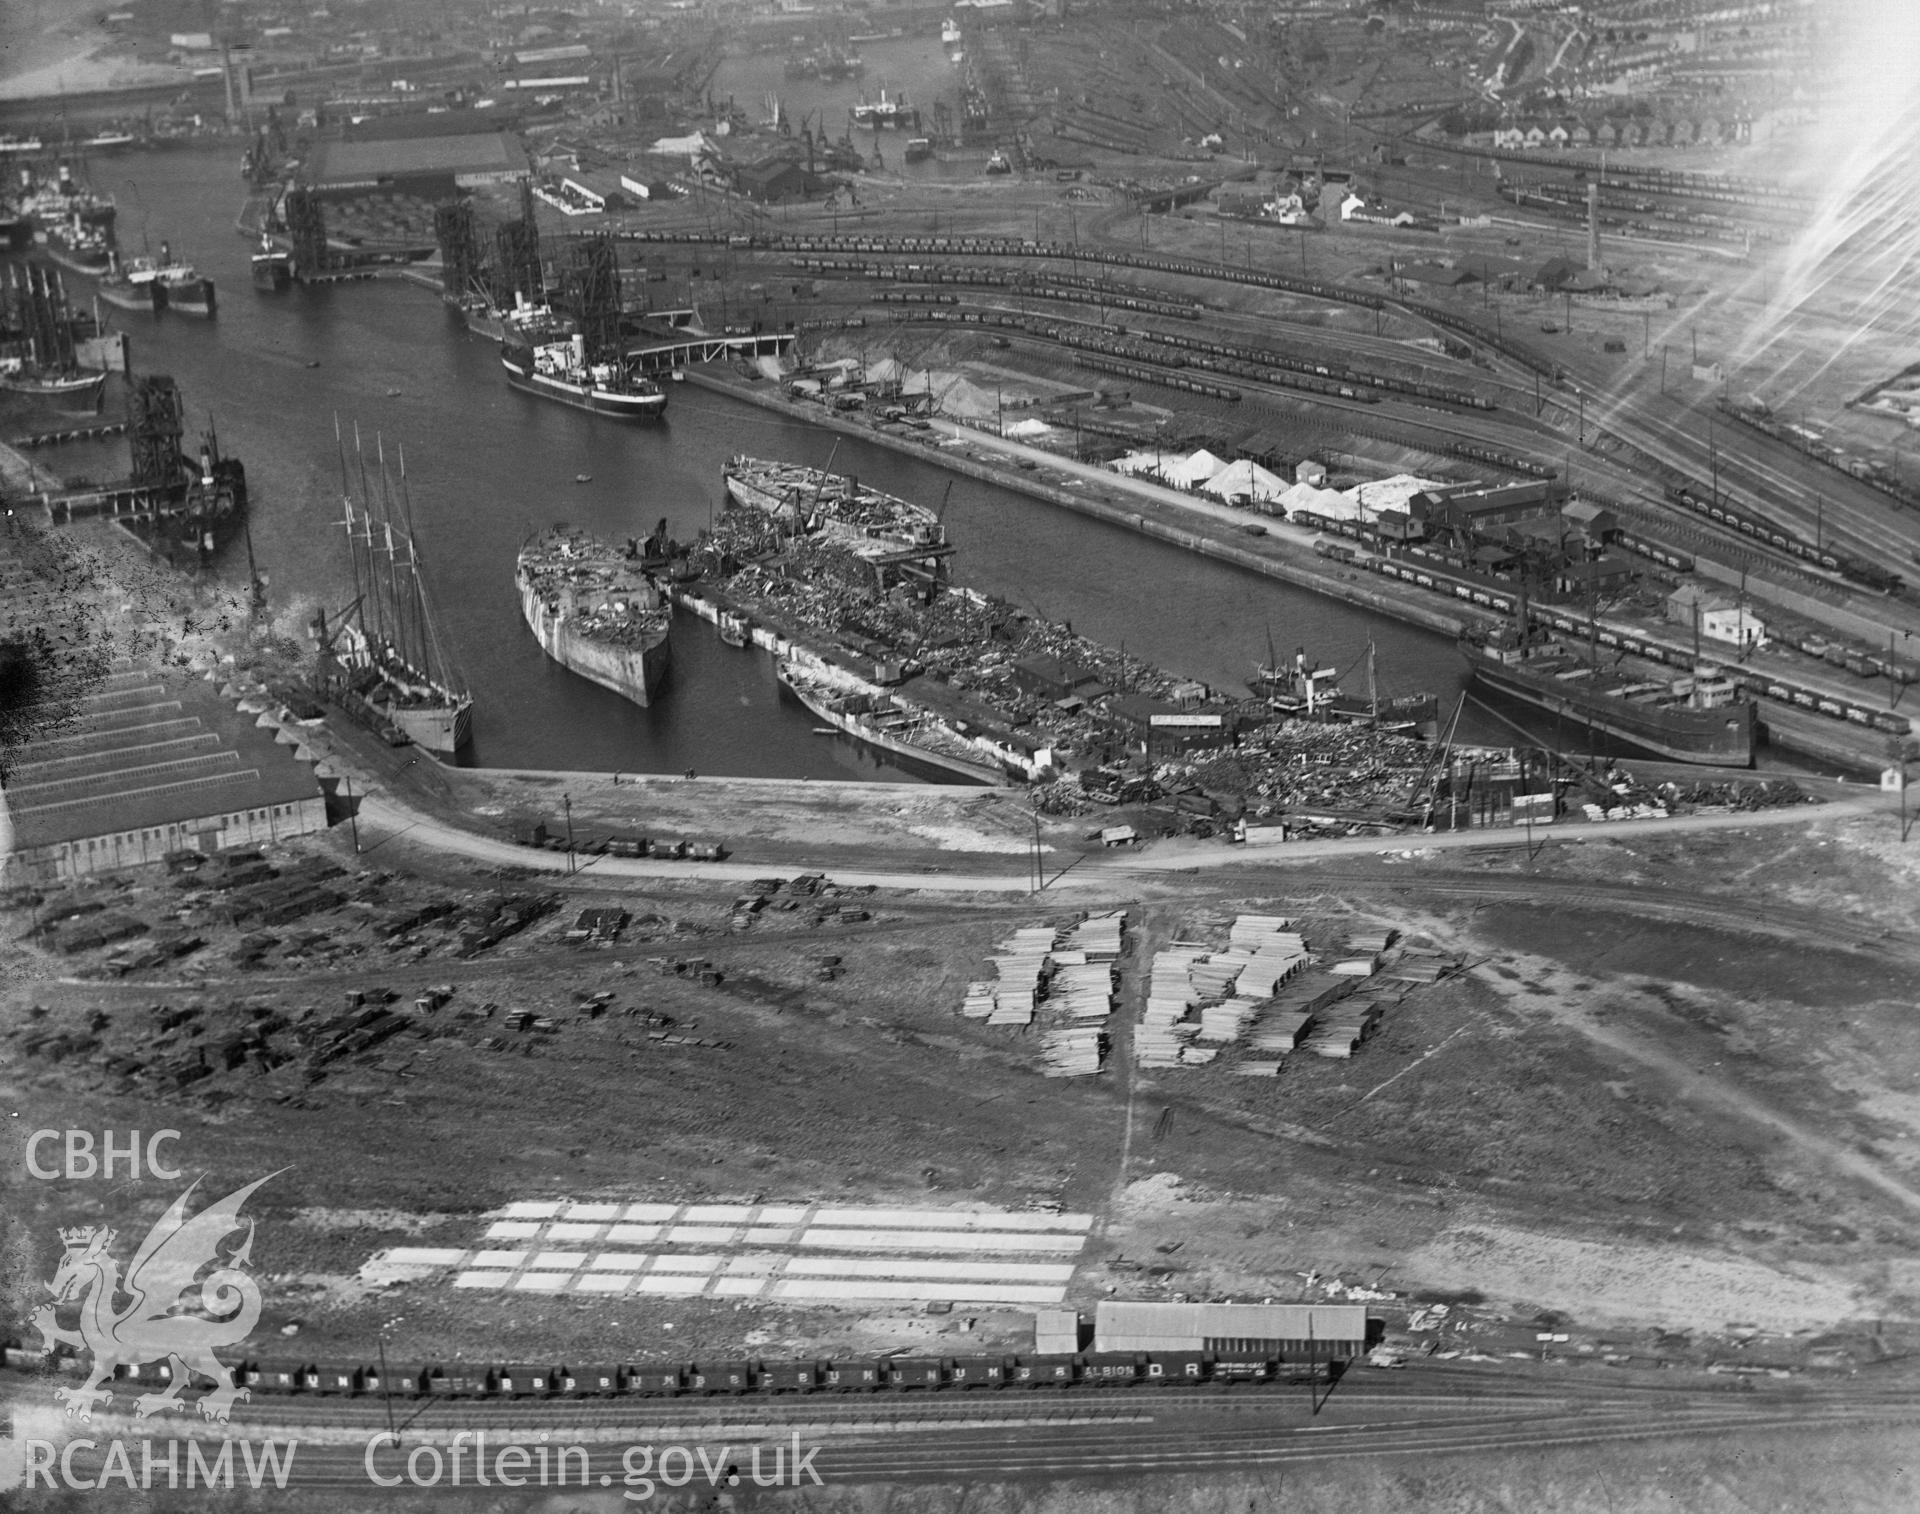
(272, 268)
(133, 285)
(583, 478)
(183, 288)
(735, 629)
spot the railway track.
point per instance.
(1187, 1438)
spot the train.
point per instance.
(624, 1380)
(1430, 571)
(1750, 522)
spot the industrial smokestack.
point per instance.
(1593, 226)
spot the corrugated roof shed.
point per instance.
(345, 163)
(148, 748)
(1334, 1329)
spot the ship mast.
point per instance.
(439, 668)
(406, 633)
(353, 542)
(382, 591)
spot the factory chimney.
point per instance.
(226, 75)
(1593, 226)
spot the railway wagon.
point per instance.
(456, 1380)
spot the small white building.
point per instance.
(1739, 626)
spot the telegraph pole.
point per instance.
(566, 801)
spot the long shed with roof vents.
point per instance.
(1290, 1332)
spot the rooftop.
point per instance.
(366, 162)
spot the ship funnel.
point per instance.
(66, 180)
(166, 253)
(580, 347)
(206, 467)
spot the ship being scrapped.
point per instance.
(595, 611)
(1704, 717)
(896, 538)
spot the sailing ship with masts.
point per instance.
(382, 658)
(40, 359)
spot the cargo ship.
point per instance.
(522, 323)
(562, 371)
(896, 538)
(1703, 717)
(74, 223)
(596, 611)
(869, 714)
(880, 113)
(382, 659)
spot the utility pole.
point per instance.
(566, 801)
(386, 1390)
(353, 820)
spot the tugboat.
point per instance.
(1305, 692)
(272, 268)
(132, 285)
(183, 287)
(596, 611)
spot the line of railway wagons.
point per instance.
(1017, 248)
(1077, 288)
(1114, 1369)
(1750, 522)
(1429, 574)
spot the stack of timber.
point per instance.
(1075, 1052)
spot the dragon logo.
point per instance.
(148, 1327)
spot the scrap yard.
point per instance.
(1181, 780)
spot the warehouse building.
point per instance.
(1286, 1332)
(152, 762)
(431, 166)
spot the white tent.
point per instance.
(1196, 468)
(1246, 479)
(1388, 493)
(1328, 502)
(695, 146)
(1157, 464)
(1028, 429)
